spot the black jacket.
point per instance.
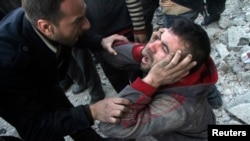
(31, 100)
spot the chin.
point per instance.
(145, 68)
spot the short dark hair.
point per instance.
(43, 9)
(195, 38)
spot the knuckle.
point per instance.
(174, 63)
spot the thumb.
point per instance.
(112, 51)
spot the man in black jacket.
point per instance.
(34, 45)
(35, 42)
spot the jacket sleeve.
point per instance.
(149, 116)
(128, 55)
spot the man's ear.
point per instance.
(45, 27)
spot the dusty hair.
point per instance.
(195, 39)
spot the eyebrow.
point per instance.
(80, 18)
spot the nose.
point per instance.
(85, 24)
(154, 46)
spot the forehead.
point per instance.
(73, 7)
(171, 40)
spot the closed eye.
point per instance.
(165, 48)
(79, 20)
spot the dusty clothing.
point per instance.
(31, 99)
(177, 112)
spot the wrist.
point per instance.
(143, 87)
(88, 111)
(151, 81)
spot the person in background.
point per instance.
(175, 112)
(88, 77)
(35, 47)
(83, 75)
(213, 11)
(148, 8)
(171, 9)
(73, 77)
(109, 17)
(174, 9)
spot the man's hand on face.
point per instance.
(107, 42)
(110, 110)
(168, 70)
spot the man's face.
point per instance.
(73, 23)
(155, 51)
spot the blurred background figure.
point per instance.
(213, 8)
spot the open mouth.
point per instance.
(146, 59)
